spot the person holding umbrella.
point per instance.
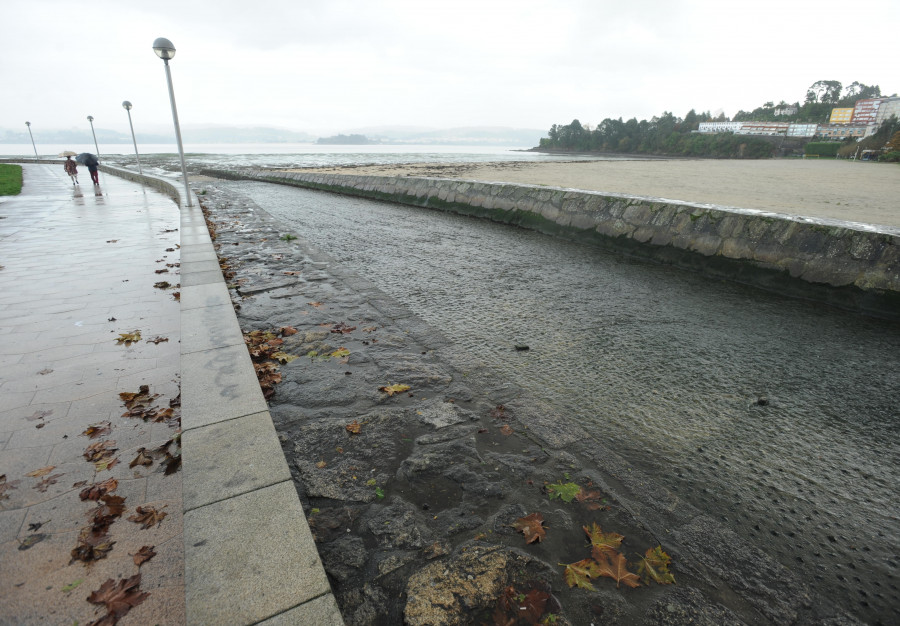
(86, 158)
(70, 166)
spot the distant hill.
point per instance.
(346, 140)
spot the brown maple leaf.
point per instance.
(119, 597)
(601, 541)
(287, 331)
(142, 458)
(49, 480)
(91, 546)
(97, 430)
(95, 491)
(532, 526)
(143, 555)
(353, 427)
(41, 472)
(613, 565)
(100, 451)
(506, 429)
(147, 517)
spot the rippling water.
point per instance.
(670, 368)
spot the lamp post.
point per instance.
(165, 51)
(127, 106)
(37, 158)
(96, 147)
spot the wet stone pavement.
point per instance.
(79, 265)
(413, 497)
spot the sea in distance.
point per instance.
(283, 155)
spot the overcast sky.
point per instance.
(335, 65)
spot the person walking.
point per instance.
(72, 170)
(92, 168)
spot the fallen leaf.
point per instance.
(593, 500)
(38, 415)
(532, 526)
(321, 464)
(613, 565)
(95, 491)
(292, 273)
(564, 491)
(129, 338)
(41, 472)
(143, 555)
(506, 429)
(316, 304)
(284, 357)
(97, 430)
(105, 464)
(162, 284)
(147, 517)
(353, 427)
(172, 463)
(30, 540)
(370, 329)
(654, 565)
(119, 597)
(287, 331)
(100, 451)
(340, 353)
(45, 371)
(72, 585)
(392, 389)
(579, 574)
(142, 458)
(91, 546)
(157, 340)
(6, 486)
(601, 541)
(342, 328)
(49, 480)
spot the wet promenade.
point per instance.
(79, 268)
(113, 309)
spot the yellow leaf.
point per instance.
(392, 389)
(284, 357)
(41, 472)
(340, 352)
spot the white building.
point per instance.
(802, 130)
(889, 107)
(720, 127)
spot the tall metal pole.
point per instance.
(127, 106)
(96, 147)
(187, 190)
(28, 124)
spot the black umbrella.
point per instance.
(86, 158)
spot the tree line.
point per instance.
(668, 135)
(662, 135)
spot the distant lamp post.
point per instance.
(165, 51)
(96, 147)
(127, 106)
(28, 124)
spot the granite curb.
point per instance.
(249, 554)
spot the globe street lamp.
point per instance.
(127, 106)
(165, 51)
(28, 124)
(96, 147)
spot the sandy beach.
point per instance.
(843, 190)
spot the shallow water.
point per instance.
(667, 367)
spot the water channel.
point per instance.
(777, 416)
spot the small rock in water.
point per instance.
(762, 401)
(521, 347)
